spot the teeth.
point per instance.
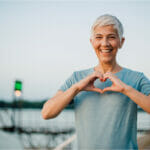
(106, 50)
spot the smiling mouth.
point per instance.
(106, 50)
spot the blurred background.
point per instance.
(41, 44)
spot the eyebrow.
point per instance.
(102, 35)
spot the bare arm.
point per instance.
(139, 98)
(57, 103)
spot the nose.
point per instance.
(105, 42)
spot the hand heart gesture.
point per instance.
(87, 84)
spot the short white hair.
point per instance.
(105, 20)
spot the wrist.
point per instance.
(127, 89)
(76, 88)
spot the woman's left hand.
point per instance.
(117, 84)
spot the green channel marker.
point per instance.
(18, 85)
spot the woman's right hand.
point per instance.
(57, 103)
(87, 84)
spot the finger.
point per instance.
(101, 79)
(97, 90)
(107, 89)
(105, 78)
(99, 75)
(93, 80)
(109, 76)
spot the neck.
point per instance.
(103, 67)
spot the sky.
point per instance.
(43, 42)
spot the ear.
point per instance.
(122, 42)
(91, 40)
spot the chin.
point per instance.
(106, 61)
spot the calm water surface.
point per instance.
(32, 119)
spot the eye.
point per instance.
(112, 37)
(98, 37)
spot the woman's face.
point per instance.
(106, 43)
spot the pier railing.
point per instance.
(57, 135)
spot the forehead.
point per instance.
(105, 30)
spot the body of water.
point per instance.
(31, 119)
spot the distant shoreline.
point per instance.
(26, 104)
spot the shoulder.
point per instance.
(133, 75)
(131, 72)
(139, 80)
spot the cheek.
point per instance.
(115, 44)
(96, 44)
(97, 51)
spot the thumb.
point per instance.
(96, 90)
(107, 89)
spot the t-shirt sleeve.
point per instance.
(144, 85)
(68, 83)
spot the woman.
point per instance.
(106, 96)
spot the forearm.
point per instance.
(56, 104)
(139, 98)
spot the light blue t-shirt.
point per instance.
(108, 120)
